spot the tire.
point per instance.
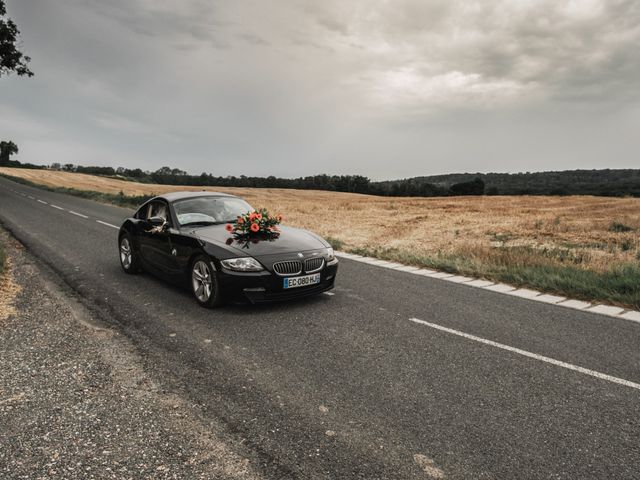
(204, 282)
(129, 259)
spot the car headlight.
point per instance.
(330, 253)
(243, 264)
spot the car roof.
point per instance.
(173, 196)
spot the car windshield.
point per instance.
(209, 210)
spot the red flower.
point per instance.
(259, 216)
(253, 216)
(229, 227)
(255, 227)
(240, 220)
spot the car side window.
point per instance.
(141, 214)
(159, 209)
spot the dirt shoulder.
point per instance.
(76, 401)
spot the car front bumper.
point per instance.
(268, 287)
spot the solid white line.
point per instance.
(56, 206)
(42, 201)
(558, 363)
(107, 224)
(78, 214)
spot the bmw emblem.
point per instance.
(300, 255)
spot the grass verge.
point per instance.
(119, 199)
(619, 285)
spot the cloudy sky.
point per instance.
(386, 89)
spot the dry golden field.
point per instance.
(473, 235)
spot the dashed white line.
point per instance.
(32, 198)
(525, 353)
(107, 224)
(78, 214)
(56, 206)
(42, 201)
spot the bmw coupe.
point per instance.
(182, 237)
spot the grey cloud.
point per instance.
(384, 89)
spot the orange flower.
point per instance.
(279, 218)
(253, 216)
(259, 216)
(229, 227)
(255, 227)
(240, 220)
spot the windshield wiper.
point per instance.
(201, 223)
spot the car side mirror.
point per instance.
(156, 221)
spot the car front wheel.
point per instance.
(204, 283)
(128, 257)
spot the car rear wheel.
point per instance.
(204, 283)
(128, 257)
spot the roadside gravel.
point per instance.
(76, 402)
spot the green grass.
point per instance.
(336, 243)
(119, 199)
(619, 285)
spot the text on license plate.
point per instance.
(293, 282)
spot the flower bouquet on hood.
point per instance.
(257, 223)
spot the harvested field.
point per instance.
(499, 237)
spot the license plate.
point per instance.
(295, 282)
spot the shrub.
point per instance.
(620, 227)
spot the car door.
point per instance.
(155, 244)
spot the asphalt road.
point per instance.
(346, 385)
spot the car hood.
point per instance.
(290, 240)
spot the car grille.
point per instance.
(291, 267)
(313, 264)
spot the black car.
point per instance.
(182, 237)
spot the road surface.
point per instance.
(392, 376)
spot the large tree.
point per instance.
(11, 59)
(6, 150)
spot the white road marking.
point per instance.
(424, 272)
(550, 299)
(56, 206)
(78, 214)
(440, 275)
(107, 224)
(32, 198)
(633, 316)
(524, 293)
(606, 309)
(480, 283)
(42, 201)
(535, 356)
(577, 304)
(405, 268)
(458, 279)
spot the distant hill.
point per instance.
(610, 183)
(605, 182)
